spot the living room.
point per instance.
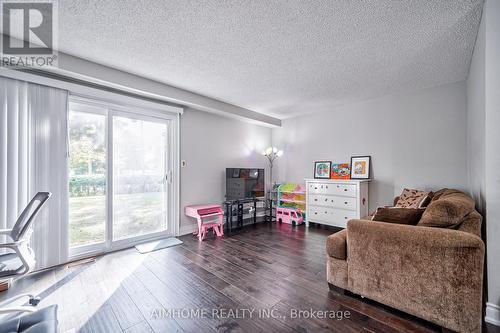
(249, 166)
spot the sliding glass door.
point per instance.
(87, 175)
(140, 176)
(120, 169)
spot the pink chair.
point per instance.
(208, 217)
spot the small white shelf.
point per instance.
(294, 201)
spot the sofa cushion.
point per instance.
(336, 245)
(447, 209)
(410, 198)
(398, 215)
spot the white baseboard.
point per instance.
(492, 314)
(187, 229)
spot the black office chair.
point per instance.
(41, 321)
(22, 260)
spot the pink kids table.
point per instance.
(208, 217)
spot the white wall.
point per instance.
(492, 153)
(483, 139)
(210, 144)
(476, 122)
(416, 140)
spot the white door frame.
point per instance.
(172, 121)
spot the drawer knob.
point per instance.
(345, 190)
(315, 199)
(315, 213)
(326, 212)
(345, 218)
(326, 186)
(326, 199)
(345, 202)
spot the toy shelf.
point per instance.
(296, 201)
(292, 199)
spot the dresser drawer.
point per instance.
(347, 190)
(333, 201)
(331, 216)
(319, 214)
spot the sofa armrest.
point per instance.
(433, 273)
(336, 245)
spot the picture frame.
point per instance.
(245, 173)
(254, 173)
(236, 173)
(360, 167)
(340, 171)
(322, 169)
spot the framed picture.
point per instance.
(322, 169)
(245, 173)
(236, 173)
(340, 171)
(360, 167)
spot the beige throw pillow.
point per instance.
(410, 198)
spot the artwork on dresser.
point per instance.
(340, 171)
(360, 167)
(236, 173)
(254, 173)
(322, 169)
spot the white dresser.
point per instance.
(334, 202)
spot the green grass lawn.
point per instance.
(134, 214)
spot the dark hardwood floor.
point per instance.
(253, 281)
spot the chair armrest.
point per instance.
(11, 245)
(19, 308)
(5, 232)
(433, 273)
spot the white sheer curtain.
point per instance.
(14, 152)
(34, 158)
(48, 108)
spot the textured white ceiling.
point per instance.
(281, 58)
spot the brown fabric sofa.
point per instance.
(432, 273)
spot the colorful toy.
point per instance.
(291, 203)
(208, 217)
(289, 216)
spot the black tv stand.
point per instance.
(239, 212)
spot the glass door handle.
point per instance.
(168, 177)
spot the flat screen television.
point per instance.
(244, 183)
